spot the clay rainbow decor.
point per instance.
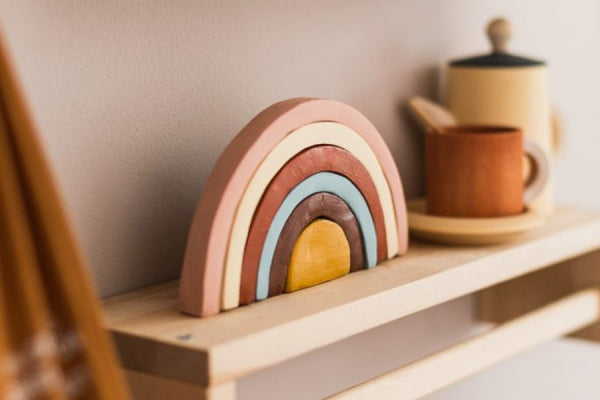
(307, 192)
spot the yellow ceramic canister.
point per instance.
(500, 88)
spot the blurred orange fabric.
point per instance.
(52, 342)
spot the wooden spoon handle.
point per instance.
(430, 115)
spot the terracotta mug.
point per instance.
(477, 171)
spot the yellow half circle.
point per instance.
(320, 254)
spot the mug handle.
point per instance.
(539, 170)
(558, 134)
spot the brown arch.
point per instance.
(304, 164)
(319, 205)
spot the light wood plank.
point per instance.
(460, 361)
(152, 387)
(153, 336)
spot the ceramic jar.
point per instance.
(501, 88)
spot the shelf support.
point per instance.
(507, 300)
(462, 360)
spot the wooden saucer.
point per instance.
(468, 231)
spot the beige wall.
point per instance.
(136, 98)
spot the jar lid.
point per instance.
(499, 32)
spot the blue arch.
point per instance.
(320, 182)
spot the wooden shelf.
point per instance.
(154, 338)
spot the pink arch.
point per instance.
(203, 267)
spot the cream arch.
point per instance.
(310, 135)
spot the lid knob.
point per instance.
(499, 31)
